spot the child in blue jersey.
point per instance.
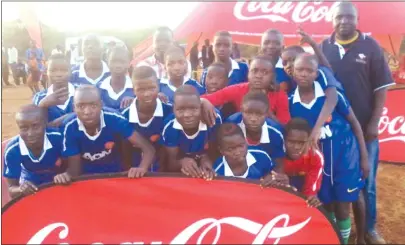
(272, 43)
(119, 85)
(34, 156)
(186, 139)
(237, 160)
(89, 137)
(217, 79)
(147, 113)
(261, 132)
(58, 98)
(236, 71)
(342, 143)
(93, 70)
(176, 67)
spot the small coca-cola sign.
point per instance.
(392, 127)
(164, 210)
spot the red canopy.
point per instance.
(246, 21)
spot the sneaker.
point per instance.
(374, 238)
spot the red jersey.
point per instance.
(234, 94)
(310, 168)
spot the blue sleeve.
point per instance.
(281, 76)
(36, 99)
(169, 135)
(122, 126)
(70, 143)
(343, 105)
(213, 131)
(12, 162)
(327, 79)
(233, 118)
(245, 72)
(203, 76)
(277, 142)
(216, 164)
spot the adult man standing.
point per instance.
(12, 60)
(359, 64)
(207, 54)
(162, 39)
(4, 67)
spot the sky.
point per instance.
(75, 16)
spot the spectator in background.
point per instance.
(235, 52)
(12, 59)
(57, 50)
(162, 39)
(207, 54)
(194, 56)
(4, 67)
(20, 71)
(35, 56)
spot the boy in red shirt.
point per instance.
(304, 170)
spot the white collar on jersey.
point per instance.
(26, 152)
(264, 138)
(71, 90)
(168, 83)
(250, 159)
(106, 84)
(318, 93)
(83, 129)
(279, 63)
(133, 113)
(201, 127)
(82, 72)
(235, 66)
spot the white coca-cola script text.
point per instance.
(394, 128)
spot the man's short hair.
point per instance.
(298, 123)
(228, 129)
(296, 48)
(164, 29)
(187, 90)
(275, 31)
(257, 96)
(143, 72)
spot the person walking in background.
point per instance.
(4, 67)
(12, 59)
(359, 64)
(235, 52)
(35, 57)
(207, 54)
(194, 57)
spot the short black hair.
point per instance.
(346, 4)
(297, 123)
(143, 72)
(223, 34)
(175, 49)
(308, 57)
(118, 49)
(219, 65)
(257, 96)
(186, 90)
(262, 57)
(228, 129)
(32, 108)
(164, 29)
(274, 31)
(86, 88)
(296, 48)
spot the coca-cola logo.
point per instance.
(202, 228)
(392, 129)
(280, 11)
(164, 210)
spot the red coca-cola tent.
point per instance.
(246, 21)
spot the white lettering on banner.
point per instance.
(325, 132)
(262, 232)
(395, 128)
(96, 156)
(297, 12)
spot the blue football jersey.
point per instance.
(97, 152)
(19, 163)
(238, 74)
(150, 130)
(54, 112)
(272, 138)
(192, 146)
(110, 98)
(168, 89)
(80, 77)
(258, 162)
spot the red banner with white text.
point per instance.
(164, 210)
(392, 127)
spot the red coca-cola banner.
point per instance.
(392, 127)
(163, 210)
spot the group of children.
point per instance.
(237, 122)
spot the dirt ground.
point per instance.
(391, 178)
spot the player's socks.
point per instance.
(332, 216)
(345, 227)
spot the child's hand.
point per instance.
(62, 179)
(58, 97)
(190, 167)
(126, 101)
(209, 114)
(275, 179)
(28, 188)
(313, 201)
(207, 171)
(136, 172)
(305, 38)
(313, 140)
(163, 98)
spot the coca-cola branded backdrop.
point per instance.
(392, 127)
(164, 210)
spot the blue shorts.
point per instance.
(341, 173)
